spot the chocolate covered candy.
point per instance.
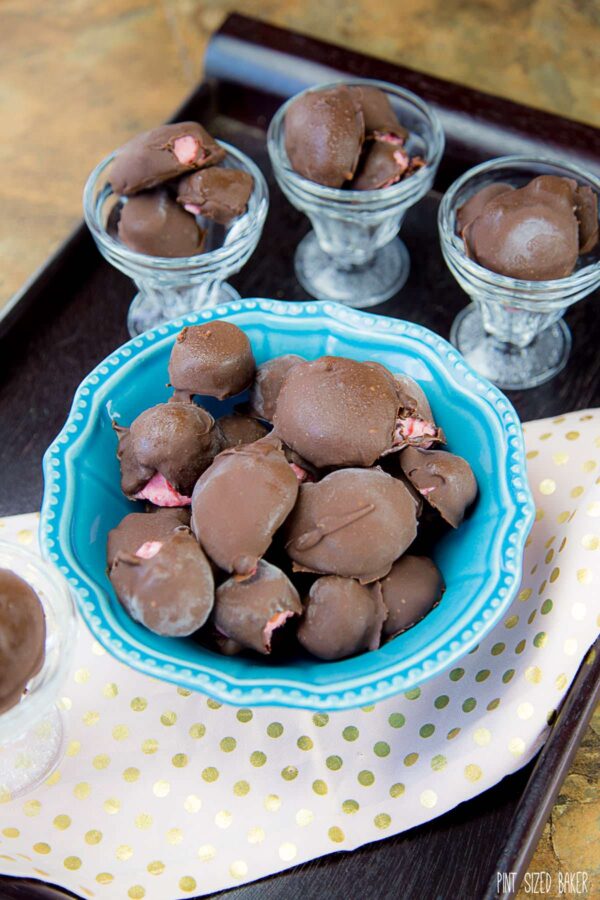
(238, 429)
(214, 359)
(267, 384)
(166, 152)
(324, 131)
(412, 588)
(586, 210)
(381, 122)
(166, 585)
(355, 523)
(530, 233)
(164, 452)
(445, 481)
(337, 412)
(249, 611)
(241, 501)
(342, 618)
(382, 165)
(152, 223)
(22, 637)
(219, 194)
(137, 529)
(476, 204)
(414, 425)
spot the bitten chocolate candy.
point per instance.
(238, 429)
(324, 131)
(337, 412)
(137, 529)
(445, 481)
(342, 618)
(381, 165)
(531, 233)
(154, 224)
(22, 637)
(240, 502)
(411, 589)
(175, 440)
(355, 523)
(166, 152)
(380, 119)
(219, 194)
(250, 610)
(415, 425)
(267, 384)
(166, 585)
(214, 359)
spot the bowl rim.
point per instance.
(394, 676)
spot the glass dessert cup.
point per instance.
(513, 331)
(31, 732)
(353, 254)
(174, 286)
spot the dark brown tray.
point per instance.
(73, 313)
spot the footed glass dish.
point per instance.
(513, 331)
(173, 286)
(481, 561)
(353, 254)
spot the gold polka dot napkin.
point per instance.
(163, 793)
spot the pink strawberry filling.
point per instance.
(275, 622)
(148, 549)
(185, 149)
(192, 208)
(388, 138)
(414, 427)
(426, 490)
(300, 473)
(159, 492)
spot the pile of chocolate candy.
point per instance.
(168, 179)
(535, 232)
(293, 515)
(348, 136)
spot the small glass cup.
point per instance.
(354, 256)
(31, 732)
(513, 332)
(171, 287)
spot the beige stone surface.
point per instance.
(78, 77)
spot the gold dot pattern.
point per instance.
(149, 767)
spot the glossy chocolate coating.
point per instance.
(342, 618)
(411, 589)
(216, 193)
(324, 131)
(380, 118)
(586, 210)
(171, 592)
(238, 429)
(22, 637)
(151, 158)
(178, 440)
(267, 384)
(137, 529)
(337, 412)
(214, 359)
(381, 165)
(152, 223)
(476, 204)
(530, 233)
(445, 481)
(241, 501)
(249, 610)
(355, 523)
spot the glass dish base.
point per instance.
(359, 286)
(30, 758)
(150, 309)
(511, 368)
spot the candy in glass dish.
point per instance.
(179, 213)
(520, 235)
(354, 157)
(37, 633)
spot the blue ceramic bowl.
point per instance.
(481, 562)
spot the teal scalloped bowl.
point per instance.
(481, 561)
